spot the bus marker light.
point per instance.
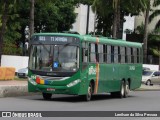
(38, 80)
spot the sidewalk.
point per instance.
(13, 88)
(149, 88)
(19, 88)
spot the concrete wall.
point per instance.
(14, 61)
(152, 67)
(81, 20)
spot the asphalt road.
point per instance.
(137, 101)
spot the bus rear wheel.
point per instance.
(47, 96)
(126, 89)
(121, 93)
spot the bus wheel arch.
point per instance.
(93, 85)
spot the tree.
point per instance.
(31, 25)
(54, 16)
(155, 14)
(116, 20)
(50, 16)
(145, 38)
(115, 10)
(6, 6)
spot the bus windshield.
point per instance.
(61, 58)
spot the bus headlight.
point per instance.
(74, 83)
(32, 81)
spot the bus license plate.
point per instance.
(50, 89)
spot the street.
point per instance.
(137, 101)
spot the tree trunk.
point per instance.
(116, 20)
(118, 35)
(115, 23)
(145, 39)
(31, 26)
(4, 22)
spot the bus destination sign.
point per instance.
(53, 39)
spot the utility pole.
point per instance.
(87, 24)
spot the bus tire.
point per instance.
(89, 92)
(126, 89)
(122, 90)
(47, 96)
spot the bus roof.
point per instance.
(90, 38)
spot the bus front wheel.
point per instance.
(89, 93)
(47, 96)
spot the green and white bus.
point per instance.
(61, 63)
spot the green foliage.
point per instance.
(85, 2)
(105, 12)
(54, 16)
(155, 13)
(10, 48)
(50, 16)
(140, 29)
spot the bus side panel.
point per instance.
(136, 76)
(84, 81)
(132, 72)
(108, 78)
(111, 75)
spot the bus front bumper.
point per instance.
(71, 88)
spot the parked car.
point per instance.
(145, 68)
(150, 77)
(22, 73)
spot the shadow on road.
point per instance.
(75, 98)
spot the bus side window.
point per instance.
(96, 52)
(105, 53)
(92, 55)
(100, 52)
(129, 54)
(132, 55)
(115, 54)
(119, 54)
(135, 54)
(138, 55)
(108, 54)
(122, 52)
(126, 57)
(112, 54)
(84, 52)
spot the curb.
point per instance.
(145, 89)
(149, 88)
(12, 90)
